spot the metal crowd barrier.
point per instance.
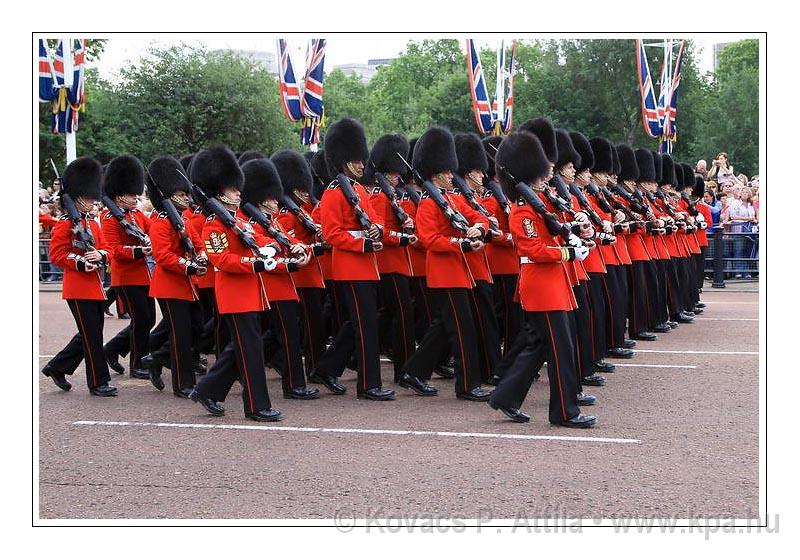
(48, 272)
(731, 256)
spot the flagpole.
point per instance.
(66, 49)
(500, 89)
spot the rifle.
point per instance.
(131, 228)
(287, 202)
(621, 207)
(472, 200)
(355, 202)
(85, 240)
(498, 193)
(412, 193)
(605, 238)
(214, 206)
(458, 221)
(251, 211)
(387, 189)
(691, 205)
(177, 222)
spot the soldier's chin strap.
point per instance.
(225, 200)
(353, 171)
(180, 203)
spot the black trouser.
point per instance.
(311, 316)
(396, 296)
(673, 287)
(637, 310)
(335, 313)
(177, 316)
(88, 343)
(583, 331)
(158, 341)
(423, 308)
(242, 359)
(615, 299)
(597, 322)
(221, 334)
(452, 332)
(652, 283)
(699, 269)
(204, 344)
(358, 335)
(134, 337)
(551, 338)
(662, 294)
(689, 286)
(482, 302)
(509, 312)
(284, 322)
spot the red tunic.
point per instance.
(476, 260)
(65, 255)
(446, 263)
(196, 220)
(326, 258)
(416, 251)
(702, 234)
(127, 269)
(279, 283)
(310, 276)
(501, 252)
(237, 287)
(394, 258)
(341, 228)
(169, 277)
(544, 284)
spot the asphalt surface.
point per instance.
(695, 448)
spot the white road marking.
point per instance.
(736, 302)
(258, 427)
(722, 319)
(654, 366)
(697, 352)
(47, 355)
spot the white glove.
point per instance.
(575, 241)
(268, 251)
(581, 253)
(270, 263)
(701, 221)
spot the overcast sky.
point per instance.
(341, 48)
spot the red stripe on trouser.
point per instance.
(402, 319)
(609, 312)
(87, 351)
(286, 349)
(310, 349)
(558, 369)
(480, 326)
(507, 317)
(132, 335)
(634, 303)
(361, 337)
(460, 341)
(244, 363)
(173, 343)
(591, 317)
(425, 301)
(646, 304)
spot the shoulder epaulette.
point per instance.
(197, 210)
(64, 217)
(283, 211)
(107, 214)
(162, 215)
(424, 195)
(334, 185)
(211, 218)
(520, 202)
(488, 194)
(376, 190)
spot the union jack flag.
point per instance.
(311, 103)
(650, 110)
(477, 86)
(508, 114)
(69, 101)
(47, 83)
(290, 91)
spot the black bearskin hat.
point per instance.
(125, 175)
(215, 168)
(628, 167)
(688, 176)
(658, 165)
(250, 155)
(584, 149)
(646, 165)
(83, 177)
(678, 184)
(615, 160)
(261, 181)
(344, 142)
(293, 169)
(384, 154)
(186, 162)
(470, 153)
(543, 129)
(521, 154)
(699, 188)
(668, 171)
(603, 159)
(566, 150)
(491, 152)
(164, 179)
(434, 152)
(319, 170)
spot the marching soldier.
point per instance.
(74, 248)
(394, 261)
(239, 289)
(260, 195)
(544, 289)
(172, 284)
(123, 183)
(447, 273)
(354, 229)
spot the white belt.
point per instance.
(525, 260)
(357, 233)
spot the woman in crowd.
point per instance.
(742, 218)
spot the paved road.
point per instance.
(671, 441)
